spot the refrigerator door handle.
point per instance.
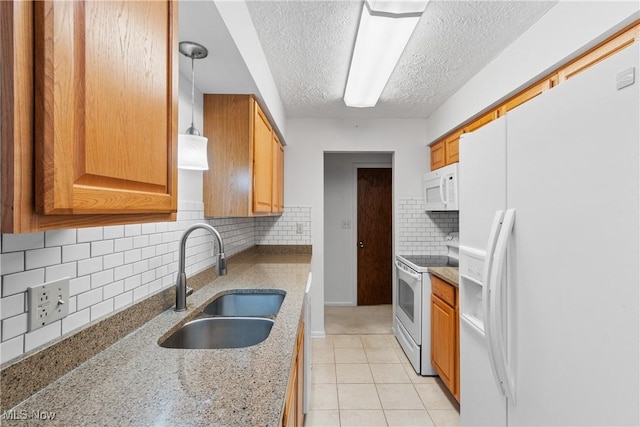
(486, 292)
(442, 198)
(497, 323)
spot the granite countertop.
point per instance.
(448, 274)
(136, 382)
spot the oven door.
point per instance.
(409, 301)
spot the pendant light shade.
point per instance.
(192, 152)
(192, 147)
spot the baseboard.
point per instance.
(318, 334)
(339, 304)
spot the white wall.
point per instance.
(309, 139)
(340, 254)
(567, 30)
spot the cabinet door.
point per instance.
(277, 193)
(443, 340)
(106, 107)
(438, 159)
(262, 162)
(451, 149)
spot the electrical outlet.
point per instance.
(346, 224)
(48, 302)
(299, 229)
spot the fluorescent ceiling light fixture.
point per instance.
(385, 28)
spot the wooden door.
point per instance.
(443, 341)
(374, 236)
(106, 107)
(262, 162)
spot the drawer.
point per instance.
(444, 290)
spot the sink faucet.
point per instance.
(181, 281)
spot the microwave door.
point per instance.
(433, 193)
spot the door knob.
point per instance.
(361, 244)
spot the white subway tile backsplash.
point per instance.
(14, 326)
(76, 252)
(113, 260)
(132, 230)
(113, 289)
(141, 241)
(59, 237)
(76, 320)
(101, 278)
(11, 349)
(42, 257)
(12, 306)
(89, 266)
(42, 336)
(113, 232)
(22, 242)
(101, 309)
(422, 233)
(133, 255)
(90, 298)
(79, 285)
(19, 282)
(89, 234)
(132, 282)
(123, 272)
(102, 247)
(60, 271)
(149, 228)
(12, 262)
(140, 292)
(140, 266)
(122, 300)
(124, 244)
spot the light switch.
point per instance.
(346, 224)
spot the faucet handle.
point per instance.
(221, 264)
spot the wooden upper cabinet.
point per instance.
(105, 126)
(438, 158)
(91, 113)
(624, 39)
(242, 178)
(480, 121)
(445, 151)
(262, 162)
(277, 193)
(451, 148)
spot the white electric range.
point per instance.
(412, 305)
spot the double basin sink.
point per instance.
(240, 319)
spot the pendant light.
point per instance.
(192, 147)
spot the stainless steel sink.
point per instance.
(246, 304)
(220, 332)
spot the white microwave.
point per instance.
(440, 189)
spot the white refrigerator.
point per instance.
(550, 256)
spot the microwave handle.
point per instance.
(442, 198)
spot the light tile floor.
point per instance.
(366, 380)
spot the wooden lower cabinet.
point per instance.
(293, 414)
(445, 334)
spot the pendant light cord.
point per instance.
(193, 88)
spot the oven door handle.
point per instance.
(414, 276)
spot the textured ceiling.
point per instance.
(308, 45)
